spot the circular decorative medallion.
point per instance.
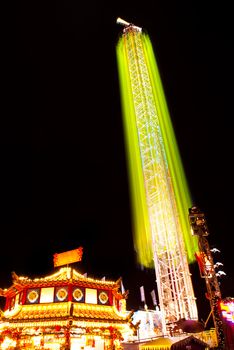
(77, 294)
(103, 297)
(61, 294)
(33, 296)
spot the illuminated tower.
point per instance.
(160, 196)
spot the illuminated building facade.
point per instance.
(227, 310)
(160, 196)
(64, 311)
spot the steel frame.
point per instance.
(174, 285)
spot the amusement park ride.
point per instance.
(67, 310)
(160, 225)
(158, 186)
(207, 270)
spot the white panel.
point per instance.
(99, 343)
(91, 296)
(47, 295)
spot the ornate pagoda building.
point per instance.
(65, 310)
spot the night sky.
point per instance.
(64, 177)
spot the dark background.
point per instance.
(63, 165)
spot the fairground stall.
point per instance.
(65, 310)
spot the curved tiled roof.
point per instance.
(39, 312)
(97, 312)
(57, 311)
(63, 276)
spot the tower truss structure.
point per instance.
(207, 271)
(155, 204)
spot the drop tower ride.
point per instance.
(159, 192)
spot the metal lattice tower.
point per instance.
(174, 285)
(207, 270)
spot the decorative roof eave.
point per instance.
(15, 288)
(31, 323)
(119, 295)
(65, 276)
(101, 320)
(76, 276)
(81, 324)
(12, 290)
(64, 321)
(116, 290)
(93, 313)
(98, 312)
(3, 292)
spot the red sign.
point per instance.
(68, 257)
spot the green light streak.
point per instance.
(142, 231)
(180, 185)
(141, 224)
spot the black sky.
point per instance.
(63, 167)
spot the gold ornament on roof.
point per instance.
(61, 294)
(103, 297)
(77, 294)
(32, 296)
